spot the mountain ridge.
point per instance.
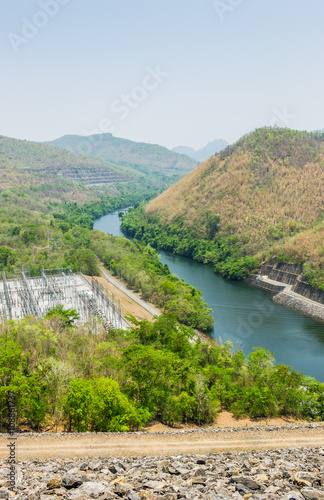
(258, 198)
(140, 156)
(203, 153)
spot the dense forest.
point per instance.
(257, 199)
(67, 377)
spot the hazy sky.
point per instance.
(171, 72)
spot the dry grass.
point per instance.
(251, 202)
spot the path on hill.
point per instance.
(167, 443)
(145, 305)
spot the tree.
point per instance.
(69, 316)
(77, 405)
(111, 410)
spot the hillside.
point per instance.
(256, 198)
(43, 160)
(147, 158)
(202, 154)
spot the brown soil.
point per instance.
(128, 306)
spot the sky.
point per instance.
(169, 72)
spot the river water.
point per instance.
(245, 315)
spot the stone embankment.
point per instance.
(291, 290)
(290, 474)
(276, 462)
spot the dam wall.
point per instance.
(290, 274)
(285, 273)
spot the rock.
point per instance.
(182, 471)
(155, 485)
(147, 495)
(261, 478)
(312, 494)
(95, 465)
(4, 494)
(200, 472)
(293, 495)
(170, 470)
(88, 490)
(52, 484)
(132, 495)
(70, 482)
(246, 481)
(122, 489)
(198, 480)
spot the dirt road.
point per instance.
(137, 444)
(142, 303)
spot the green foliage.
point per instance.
(7, 256)
(140, 267)
(223, 252)
(62, 374)
(69, 316)
(77, 404)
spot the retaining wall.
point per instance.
(308, 291)
(285, 273)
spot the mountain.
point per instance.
(146, 158)
(202, 154)
(260, 197)
(43, 160)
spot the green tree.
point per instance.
(77, 405)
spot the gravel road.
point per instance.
(48, 446)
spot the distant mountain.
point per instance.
(43, 160)
(145, 158)
(203, 153)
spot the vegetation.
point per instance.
(60, 235)
(65, 375)
(162, 166)
(260, 198)
(139, 266)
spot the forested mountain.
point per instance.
(260, 197)
(32, 158)
(147, 158)
(203, 153)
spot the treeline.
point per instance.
(67, 377)
(200, 241)
(72, 214)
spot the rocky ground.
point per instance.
(294, 473)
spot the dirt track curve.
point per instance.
(157, 444)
